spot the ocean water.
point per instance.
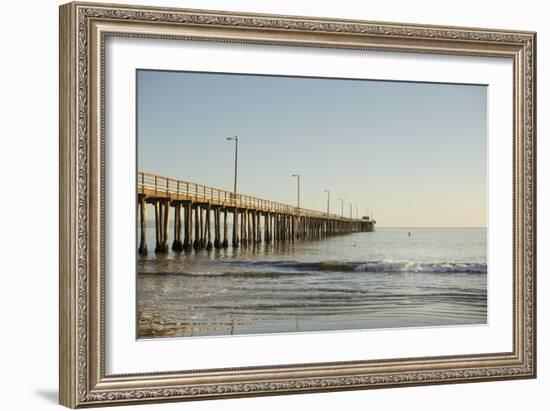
(381, 279)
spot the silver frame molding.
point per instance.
(83, 30)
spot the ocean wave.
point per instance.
(385, 266)
(219, 274)
(290, 268)
(418, 267)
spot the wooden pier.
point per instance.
(203, 215)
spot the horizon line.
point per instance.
(435, 227)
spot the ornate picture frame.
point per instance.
(84, 28)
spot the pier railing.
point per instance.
(153, 185)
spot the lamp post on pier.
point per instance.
(328, 201)
(350, 211)
(298, 193)
(341, 206)
(236, 140)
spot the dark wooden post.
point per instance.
(208, 236)
(246, 222)
(225, 242)
(165, 215)
(244, 228)
(278, 227)
(289, 227)
(177, 244)
(201, 228)
(254, 238)
(175, 241)
(235, 228)
(217, 231)
(271, 228)
(250, 236)
(274, 229)
(187, 226)
(284, 227)
(158, 229)
(248, 228)
(197, 239)
(259, 225)
(266, 227)
(143, 226)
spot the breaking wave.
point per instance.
(386, 266)
(416, 267)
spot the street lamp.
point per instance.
(350, 211)
(342, 206)
(356, 212)
(328, 201)
(298, 195)
(236, 140)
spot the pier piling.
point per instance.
(225, 242)
(207, 229)
(187, 226)
(196, 240)
(142, 250)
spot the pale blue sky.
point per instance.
(414, 153)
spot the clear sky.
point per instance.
(414, 153)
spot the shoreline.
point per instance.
(151, 327)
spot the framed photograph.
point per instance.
(259, 204)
